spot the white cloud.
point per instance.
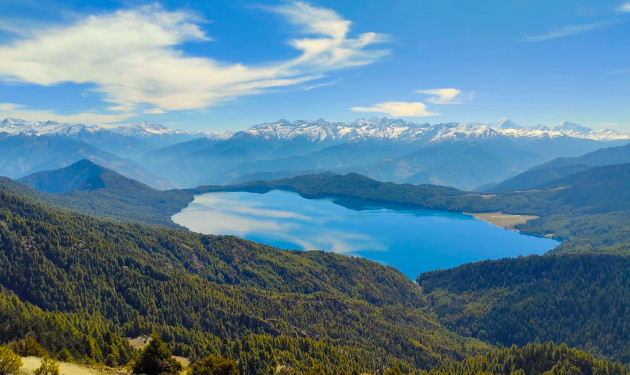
(624, 8)
(567, 31)
(131, 57)
(330, 47)
(445, 96)
(320, 85)
(21, 112)
(154, 111)
(403, 109)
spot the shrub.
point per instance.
(28, 346)
(48, 367)
(10, 362)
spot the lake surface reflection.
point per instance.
(413, 241)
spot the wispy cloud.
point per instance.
(320, 85)
(403, 109)
(624, 8)
(567, 31)
(24, 113)
(328, 45)
(131, 57)
(446, 96)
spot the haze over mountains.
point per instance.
(465, 156)
(562, 167)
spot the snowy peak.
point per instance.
(214, 134)
(17, 126)
(571, 127)
(321, 131)
(145, 130)
(142, 130)
(379, 128)
(506, 123)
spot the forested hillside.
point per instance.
(24, 154)
(583, 300)
(562, 167)
(532, 359)
(268, 307)
(92, 189)
(224, 295)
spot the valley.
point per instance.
(442, 288)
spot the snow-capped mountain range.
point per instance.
(320, 130)
(462, 155)
(141, 130)
(396, 129)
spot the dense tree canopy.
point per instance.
(532, 359)
(214, 365)
(96, 281)
(580, 299)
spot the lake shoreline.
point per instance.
(499, 219)
(413, 240)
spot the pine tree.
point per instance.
(156, 359)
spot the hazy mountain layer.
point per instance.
(561, 167)
(98, 191)
(461, 155)
(465, 156)
(22, 155)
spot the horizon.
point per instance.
(227, 65)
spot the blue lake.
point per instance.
(412, 240)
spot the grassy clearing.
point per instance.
(30, 364)
(503, 220)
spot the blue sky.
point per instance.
(231, 64)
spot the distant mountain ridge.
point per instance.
(21, 155)
(464, 156)
(604, 156)
(90, 188)
(130, 140)
(546, 173)
(83, 175)
(143, 130)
